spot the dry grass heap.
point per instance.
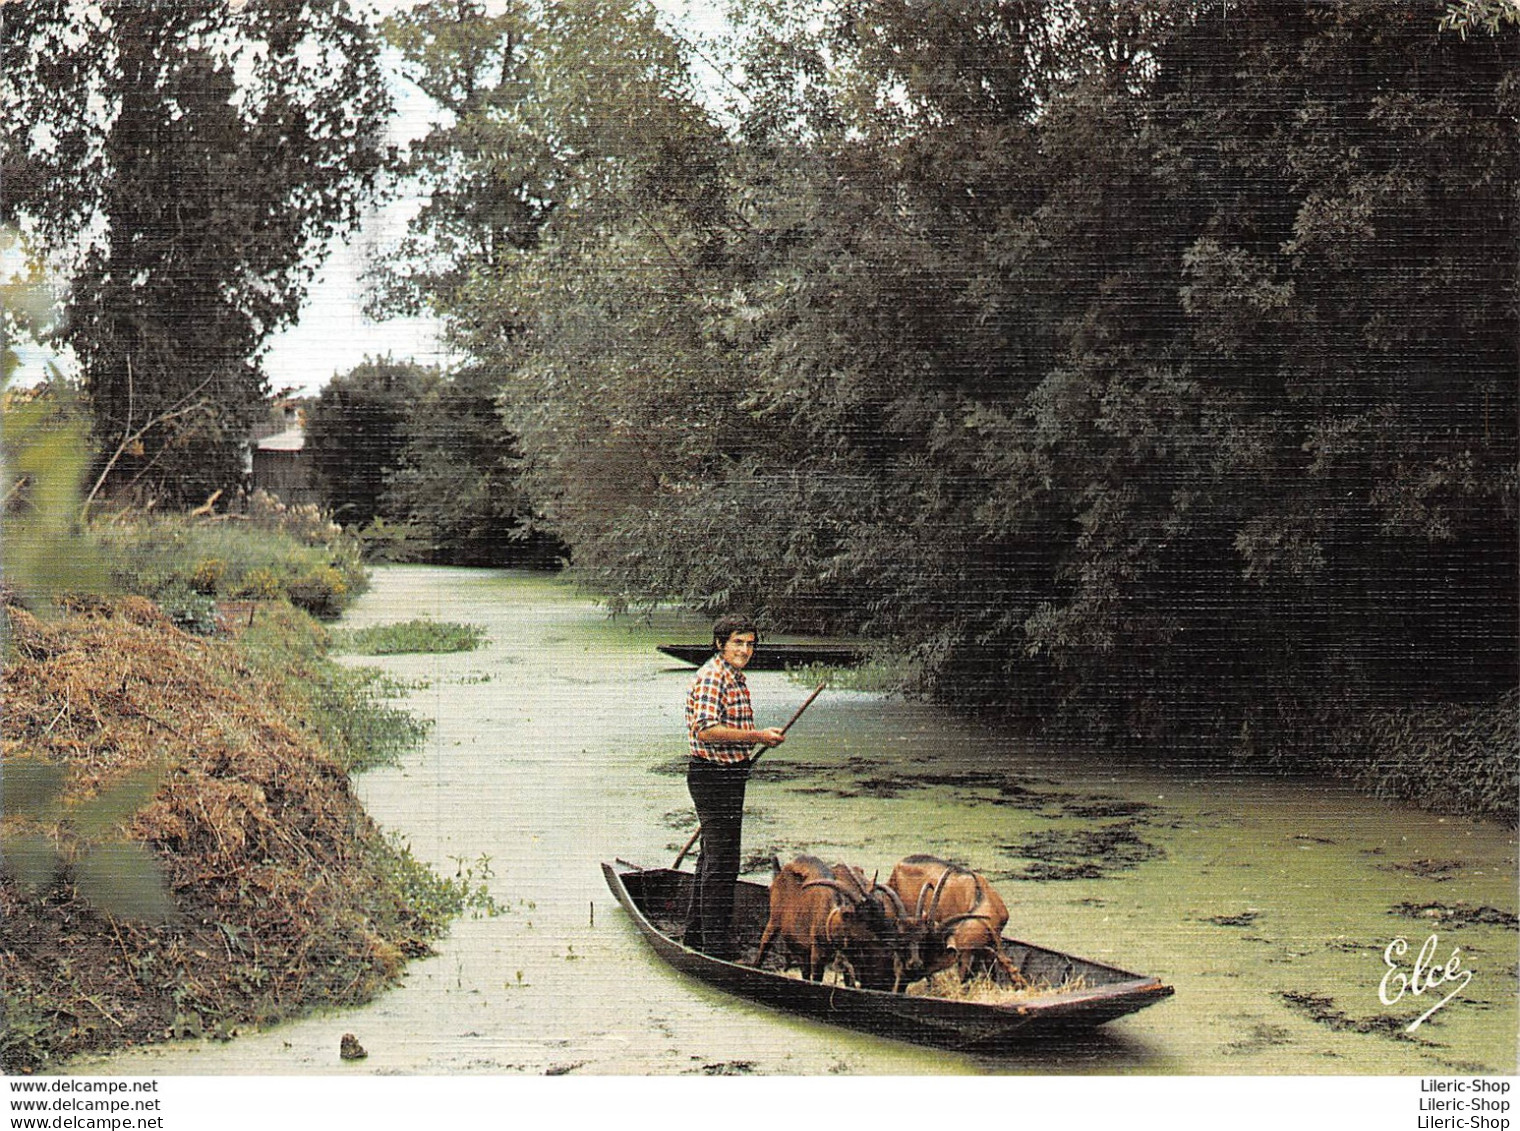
(979, 989)
(983, 989)
(287, 894)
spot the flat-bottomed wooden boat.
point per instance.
(774, 657)
(656, 898)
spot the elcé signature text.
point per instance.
(1422, 978)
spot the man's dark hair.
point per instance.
(727, 626)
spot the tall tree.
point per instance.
(1284, 460)
(486, 192)
(188, 189)
(1067, 345)
(573, 147)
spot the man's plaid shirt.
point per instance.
(718, 697)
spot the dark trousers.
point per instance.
(717, 790)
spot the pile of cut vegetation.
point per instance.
(982, 988)
(184, 854)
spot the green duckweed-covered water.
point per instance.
(1268, 904)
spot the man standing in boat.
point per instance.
(720, 723)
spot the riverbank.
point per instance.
(186, 853)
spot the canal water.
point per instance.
(1269, 905)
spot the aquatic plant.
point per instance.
(418, 635)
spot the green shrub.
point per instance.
(191, 609)
(26, 1030)
(287, 641)
(413, 636)
(304, 522)
(207, 575)
(345, 706)
(322, 591)
(353, 720)
(432, 899)
(1448, 757)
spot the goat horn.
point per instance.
(923, 895)
(860, 881)
(957, 920)
(939, 890)
(828, 922)
(851, 874)
(836, 885)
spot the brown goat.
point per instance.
(819, 918)
(883, 962)
(961, 916)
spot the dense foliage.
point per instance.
(457, 488)
(44, 456)
(1156, 360)
(422, 465)
(356, 430)
(183, 164)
